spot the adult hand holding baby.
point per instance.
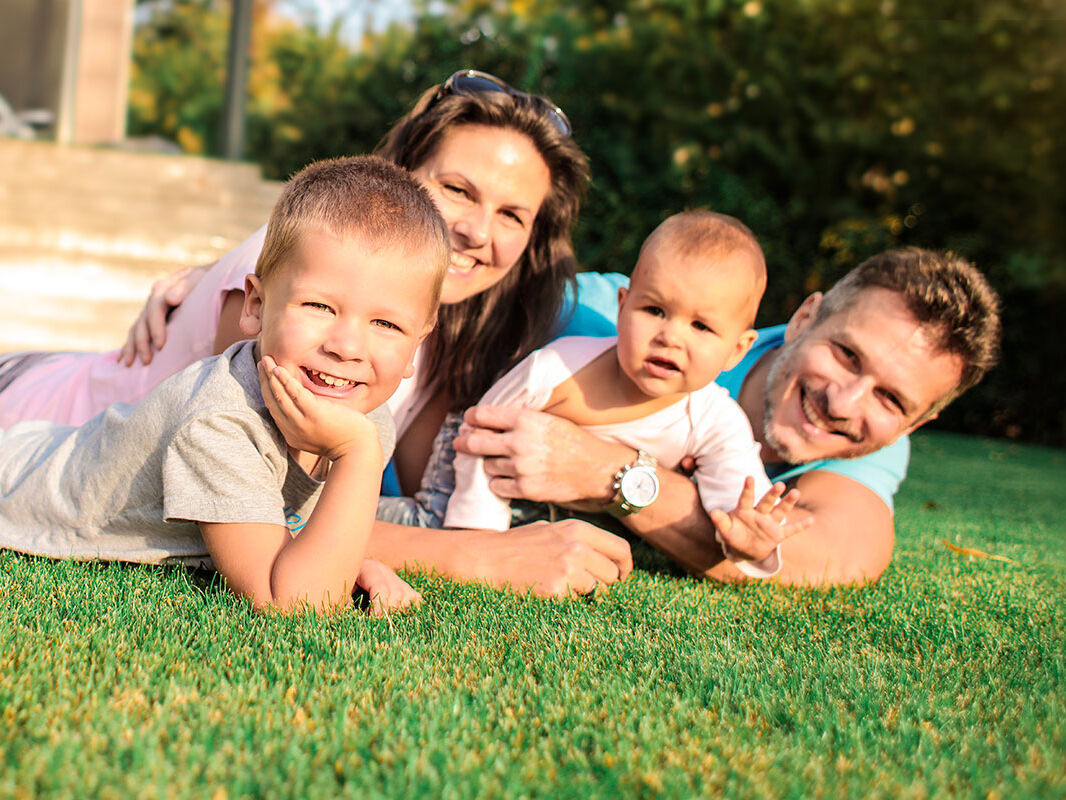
(522, 450)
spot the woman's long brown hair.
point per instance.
(478, 339)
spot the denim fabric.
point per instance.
(426, 509)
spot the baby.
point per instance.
(265, 459)
(686, 316)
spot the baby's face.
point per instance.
(682, 320)
(344, 316)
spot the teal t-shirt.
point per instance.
(595, 313)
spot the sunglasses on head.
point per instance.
(472, 81)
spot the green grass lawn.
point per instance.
(944, 679)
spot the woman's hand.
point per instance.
(149, 331)
(550, 559)
(313, 424)
(536, 456)
(557, 559)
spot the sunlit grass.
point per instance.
(946, 678)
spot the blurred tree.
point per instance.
(834, 128)
(176, 87)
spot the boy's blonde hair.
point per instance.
(708, 235)
(363, 195)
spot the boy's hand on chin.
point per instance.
(310, 423)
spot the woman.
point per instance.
(507, 178)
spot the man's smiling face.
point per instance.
(853, 382)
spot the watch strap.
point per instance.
(619, 506)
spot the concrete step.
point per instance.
(52, 303)
(84, 232)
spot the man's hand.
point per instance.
(149, 331)
(313, 424)
(534, 455)
(752, 531)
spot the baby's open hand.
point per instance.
(752, 531)
(310, 423)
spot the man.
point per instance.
(831, 397)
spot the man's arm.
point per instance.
(851, 539)
(520, 446)
(541, 457)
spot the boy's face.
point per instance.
(682, 321)
(343, 316)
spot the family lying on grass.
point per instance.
(228, 458)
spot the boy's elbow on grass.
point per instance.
(276, 573)
(289, 605)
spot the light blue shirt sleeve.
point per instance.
(596, 311)
(881, 472)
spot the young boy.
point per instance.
(279, 430)
(687, 315)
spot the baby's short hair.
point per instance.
(708, 235)
(364, 195)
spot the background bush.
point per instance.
(834, 129)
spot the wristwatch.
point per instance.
(635, 486)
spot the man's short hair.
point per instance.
(363, 195)
(946, 294)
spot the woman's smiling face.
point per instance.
(489, 184)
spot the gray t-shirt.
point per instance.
(132, 483)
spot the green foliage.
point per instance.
(946, 679)
(177, 85)
(833, 128)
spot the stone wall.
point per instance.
(84, 232)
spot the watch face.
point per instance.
(640, 486)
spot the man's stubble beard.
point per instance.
(780, 374)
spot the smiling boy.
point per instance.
(218, 458)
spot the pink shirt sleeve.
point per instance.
(192, 326)
(71, 388)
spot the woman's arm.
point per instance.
(553, 559)
(154, 327)
(149, 331)
(229, 328)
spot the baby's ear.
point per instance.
(251, 322)
(744, 343)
